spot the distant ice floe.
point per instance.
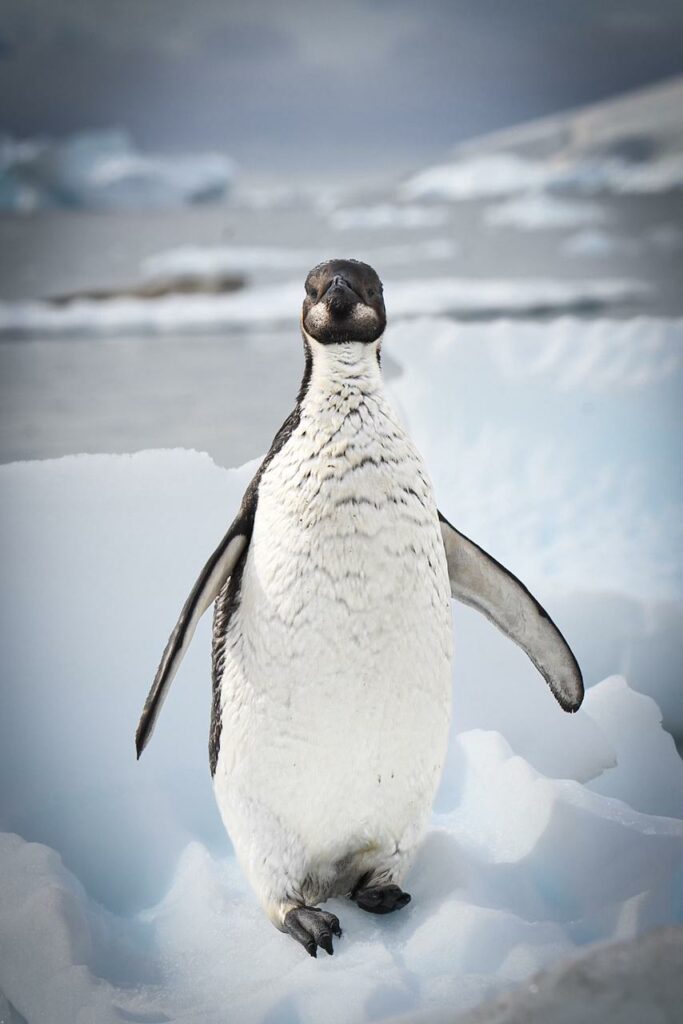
(387, 215)
(539, 212)
(280, 303)
(475, 177)
(594, 243)
(663, 240)
(120, 899)
(489, 176)
(632, 145)
(104, 170)
(214, 261)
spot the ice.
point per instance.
(635, 982)
(486, 176)
(594, 243)
(629, 145)
(267, 304)
(648, 771)
(387, 215)
(214, 261)
(104, 170)
(579, 513)
(120, 899)
(476, 177)
(539, 212)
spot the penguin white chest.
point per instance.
(335, 696)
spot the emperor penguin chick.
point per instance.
(331, 657)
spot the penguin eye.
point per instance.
(312, 292)
(371, 293)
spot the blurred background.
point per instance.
(168, 173)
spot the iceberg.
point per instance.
(104, 170)
(630, 145)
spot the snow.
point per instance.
(267, 304)
(120, 899)
(104, 170)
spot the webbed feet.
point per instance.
(380, 899)
(313, 928)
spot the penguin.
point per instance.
(331, 645)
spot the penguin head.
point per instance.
(343, 303)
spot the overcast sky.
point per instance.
(304, 86)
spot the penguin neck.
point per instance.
(343, 368)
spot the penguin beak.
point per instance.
(339, 296)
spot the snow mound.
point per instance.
(104, 170)
(578, 512)
(264, 304)
(122, 901)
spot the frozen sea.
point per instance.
(535, 351)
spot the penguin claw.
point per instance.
(313, 928)
(380, 899)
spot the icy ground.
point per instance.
(633, 982)
(120, 900)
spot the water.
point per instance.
(226, 393)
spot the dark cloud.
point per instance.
(305, 86)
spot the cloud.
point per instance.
(316, 84)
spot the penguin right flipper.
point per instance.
(205, 591)
(212, 579)
(479, 580)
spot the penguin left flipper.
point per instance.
(479, 580)
(219, 567)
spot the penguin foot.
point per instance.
(312, 928)
(380, 899)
